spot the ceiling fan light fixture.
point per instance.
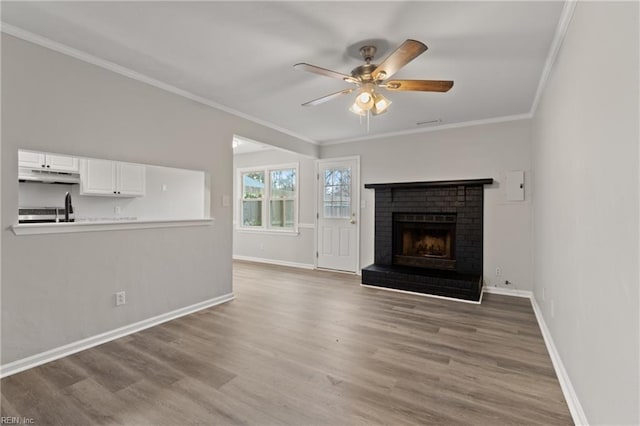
(355, 108)
(380, 104)
(364, 101)
(365, 98)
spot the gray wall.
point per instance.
(287, 249)
(483, 151)
(57, 289)
(585, 163)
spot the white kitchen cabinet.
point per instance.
(31, 160)
(97, 177)
(112, 178)
(49, 162)
(130, 179)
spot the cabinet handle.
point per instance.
(114, 192)
(118, 192)
(42, 165)
(48, 165)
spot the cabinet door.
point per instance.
(32, 160)
(130, 179)
(97, 177)
(62, 163)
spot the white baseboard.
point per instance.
(274, 262)
(577, 413)
(80, 345)
(508, 291)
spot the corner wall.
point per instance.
(58, 289)
(482, 151)
(585, 168)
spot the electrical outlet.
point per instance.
(261, 246)
(121, 298)
(117, 210)
(498, 272)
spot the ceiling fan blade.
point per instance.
(407, 52)
(419, 85)
(328, 97)
(325, 72)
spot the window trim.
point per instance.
(266, 200)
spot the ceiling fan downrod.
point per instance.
(368, 52)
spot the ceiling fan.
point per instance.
(369, 77)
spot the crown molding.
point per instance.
(556, 44)
(493, 120)
(119, 69)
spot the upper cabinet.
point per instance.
(112, 178)
(130, 179)
(49, 162)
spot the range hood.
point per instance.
(43, 176)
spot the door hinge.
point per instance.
(317, 215)
(318, 176)
(317, 255)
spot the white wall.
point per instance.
(57, 289)
(585, 163)
(272, 247)
(484, 151)
(183, 199)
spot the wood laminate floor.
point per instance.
(304, 347)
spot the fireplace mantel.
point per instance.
(429, 184)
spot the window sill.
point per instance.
(286, 233)
(116, 225)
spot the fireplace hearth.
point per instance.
(428, 237)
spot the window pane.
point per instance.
(337, 193)
(252, 213)
(282, 213)
(252, 185)
(328, 177)
(282, 198)
(283, 183)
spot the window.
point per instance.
(337, 193)
(269, 198)
(252, 195)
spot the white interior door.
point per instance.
(338, 214)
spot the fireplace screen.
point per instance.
(426, 243)
(424, 240)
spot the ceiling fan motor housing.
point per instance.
(363, 72)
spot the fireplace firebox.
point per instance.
(428, 237)
(424, 240)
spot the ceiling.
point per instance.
(241, 54)
(245, 146)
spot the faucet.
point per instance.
(68, 208)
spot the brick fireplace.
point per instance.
(429, 237)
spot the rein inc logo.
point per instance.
(6, 420)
